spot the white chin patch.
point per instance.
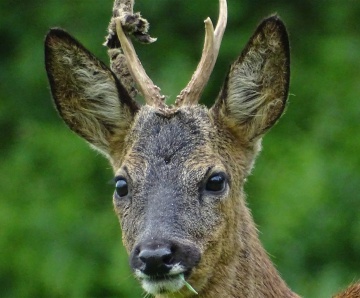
(169, 284)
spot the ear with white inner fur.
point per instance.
(256, 89)
(87, 95)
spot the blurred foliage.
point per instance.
(58, 234)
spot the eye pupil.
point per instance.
(215, 183)
(121, 187)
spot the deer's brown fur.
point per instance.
(351, 292)
(180, 171)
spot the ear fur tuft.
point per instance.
(256, 88)
(87, 95)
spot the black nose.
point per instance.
(156, 261)
(156, 257)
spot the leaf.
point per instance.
(188, 285)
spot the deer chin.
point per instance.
(168, 283)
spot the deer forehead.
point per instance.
(178, 140)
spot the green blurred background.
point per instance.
(59, 236)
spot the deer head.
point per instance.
(179, 170)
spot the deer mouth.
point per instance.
(162, 284)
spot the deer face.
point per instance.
(172, 185)
(179, 171)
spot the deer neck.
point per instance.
(249, 272)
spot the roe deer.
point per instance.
(180, 170)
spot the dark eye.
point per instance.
(121, 187)
(216, 183)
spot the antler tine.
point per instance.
(148, 89)
(192, 92)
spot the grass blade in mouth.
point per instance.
(191, 289)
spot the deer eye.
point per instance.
(121, 187)
(216, 183)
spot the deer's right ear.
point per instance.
(256, 89)
(87, 95)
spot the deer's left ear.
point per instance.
(256, 88)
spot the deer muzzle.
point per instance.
(161, 264)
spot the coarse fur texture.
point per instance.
(86, 92)
(351, 292)
(180, 174)
(255, 91)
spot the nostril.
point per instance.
(168, 259)
(156, 261)
(137, 251)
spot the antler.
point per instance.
(125, 20)
(149, 90)
(192, 92)
(123, 12)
